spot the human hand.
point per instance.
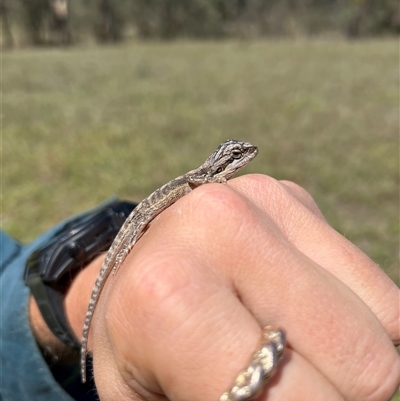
(184, 313)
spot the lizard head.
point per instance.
(227, 159)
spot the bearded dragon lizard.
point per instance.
(225, 161)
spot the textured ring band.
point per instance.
(250, 382)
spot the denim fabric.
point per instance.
(24, 374)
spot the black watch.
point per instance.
(50, 269)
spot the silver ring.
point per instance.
(250, 382)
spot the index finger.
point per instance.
(297, 215)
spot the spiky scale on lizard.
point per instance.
(226, 160)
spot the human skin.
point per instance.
(184, 313)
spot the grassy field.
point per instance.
(82, 124)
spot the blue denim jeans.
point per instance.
(24, 374)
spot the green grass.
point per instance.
(84, 123)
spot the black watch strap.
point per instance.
(50, 304)
(51, 268)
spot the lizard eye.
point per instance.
(219, 170)
(236, 154)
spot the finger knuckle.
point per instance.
(219, 204)
(294, 190)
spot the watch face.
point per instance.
(79, 242)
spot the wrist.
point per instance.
(53, 350)
(52, 267)
(77, 298)
(75, 305)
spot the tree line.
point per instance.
(42, 22)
